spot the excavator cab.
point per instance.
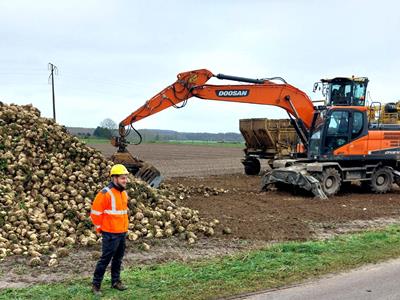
(344, 91)
(341, 126)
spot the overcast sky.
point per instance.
(114, 55)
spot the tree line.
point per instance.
(108, 128)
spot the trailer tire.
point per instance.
(252, 166)
(330, 181)
(381, 180)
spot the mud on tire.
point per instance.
(330, 180)
(252, 166)
(381, 180)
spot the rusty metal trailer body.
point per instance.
(267, 139)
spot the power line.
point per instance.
(54, 70)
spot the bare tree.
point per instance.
(109, 124)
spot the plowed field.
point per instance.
(185, 160)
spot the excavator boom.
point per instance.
(260, 91)
(284, 95)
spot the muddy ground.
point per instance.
(283, 215)
(255, 218)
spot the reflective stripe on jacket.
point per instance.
(110, 210)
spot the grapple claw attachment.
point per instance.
(139, 168)
(149, 174)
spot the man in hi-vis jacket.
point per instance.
(109, 215)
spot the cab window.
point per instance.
(341, 93)
(337, 133)
(357, 124)
(359, 94)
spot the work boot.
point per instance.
(119, 286)
(96, 290)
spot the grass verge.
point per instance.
(276, 266)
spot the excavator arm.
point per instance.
(260, 91)
(193, 84)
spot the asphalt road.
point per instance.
(380, 281)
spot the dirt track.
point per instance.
(255, 218)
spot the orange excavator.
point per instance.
(341, 142)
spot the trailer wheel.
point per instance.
(252, 166)
(381, 180)
(330, 180)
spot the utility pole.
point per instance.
(54, 71)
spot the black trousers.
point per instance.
(113, 247)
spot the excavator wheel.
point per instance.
(330, 180)
(252, 166)
(381, 180)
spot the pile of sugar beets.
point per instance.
(48, 180)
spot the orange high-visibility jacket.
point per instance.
(110, 210)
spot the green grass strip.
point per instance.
(272, 267)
